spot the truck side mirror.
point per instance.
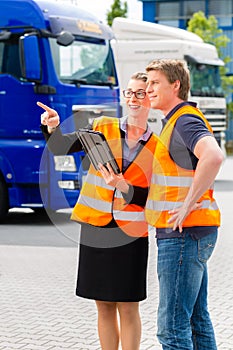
(30, 58)
(65, 38)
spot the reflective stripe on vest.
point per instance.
(163, 180)
(172, 181)
(160, 206)
(170, 184)
(126, 215)
(97, 181)
(99, 203)
(129, 215)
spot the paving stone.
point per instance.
(39, 310)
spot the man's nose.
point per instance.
(148, 88)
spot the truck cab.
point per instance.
(58, 54)
(136, 43)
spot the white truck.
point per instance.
(138, 42)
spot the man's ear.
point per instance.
(177, 84)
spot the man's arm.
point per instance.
(210, 158)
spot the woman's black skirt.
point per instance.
(112, 266)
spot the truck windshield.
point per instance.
(205, 80)
(84, 63)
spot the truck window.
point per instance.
(9, 58)
(205, 80)
(84, 62)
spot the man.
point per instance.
(182, 208)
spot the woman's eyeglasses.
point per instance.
(140, 94)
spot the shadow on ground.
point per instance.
(25, 227)
(29, 217)
(223, 185)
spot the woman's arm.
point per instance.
(136, 195)
(132, 194)
(57, 143)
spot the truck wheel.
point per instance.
(4, 202)
(44, 212)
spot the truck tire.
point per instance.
(41, 211)
(4, 202)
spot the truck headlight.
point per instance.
(65, 163)
(67, 185)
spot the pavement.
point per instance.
(38, 308)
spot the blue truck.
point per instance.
(58, 54)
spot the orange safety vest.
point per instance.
(170, 184)
(99, 203)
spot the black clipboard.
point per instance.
(97, 149)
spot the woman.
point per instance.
(114, 235)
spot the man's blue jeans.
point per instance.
(183, 318)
